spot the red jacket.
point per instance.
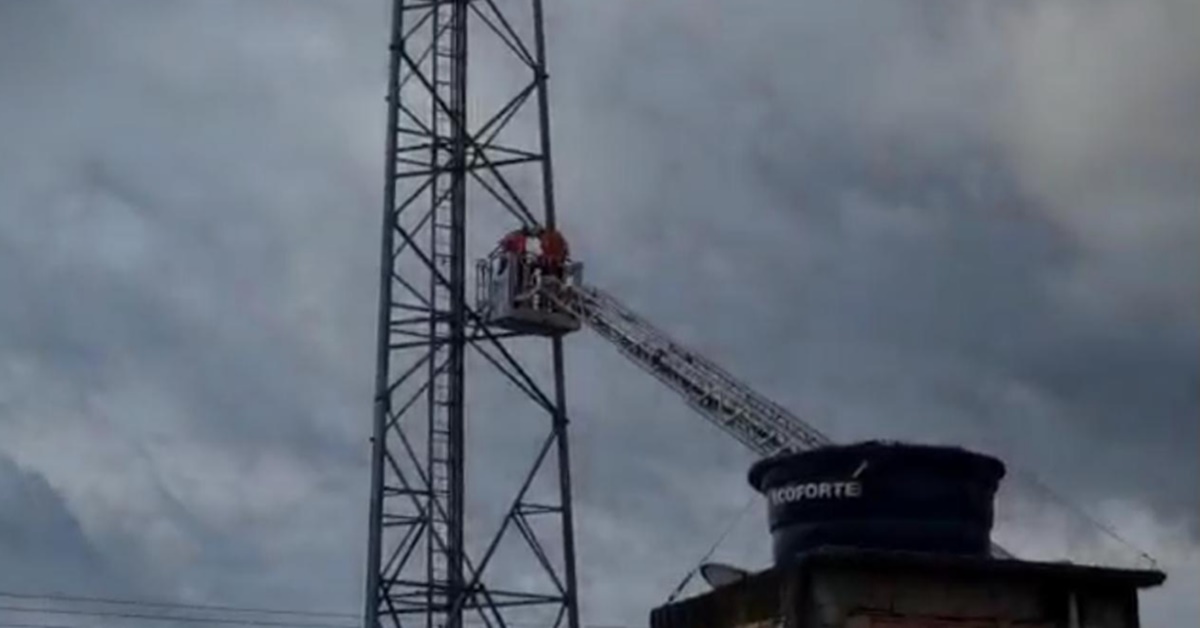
(513, 242)
(554, 247)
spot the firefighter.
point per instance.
(515, 241)
(554, 252)
(514, 245)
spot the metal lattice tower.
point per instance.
(446, 167)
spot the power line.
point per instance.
(468, 621)
(712, 550)
(169, 617)
(226, 620)
(1032, 479)
(20, 625)
(56, 597)
(1036, 482)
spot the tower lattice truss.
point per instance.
(470, 520)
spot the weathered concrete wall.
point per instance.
(1106, 609)
(857, 599)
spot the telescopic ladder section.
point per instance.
(755, 421)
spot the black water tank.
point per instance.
(885, 496)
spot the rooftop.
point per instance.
(757, 596)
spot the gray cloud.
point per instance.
(39, 533)
(971, 223)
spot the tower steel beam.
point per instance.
(446, 164)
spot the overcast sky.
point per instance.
(963, 222)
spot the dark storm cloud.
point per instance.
(160, 331)
(917, 237)
(39, 533)
(901, 219)
(910, 236)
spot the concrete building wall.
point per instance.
(846, 598)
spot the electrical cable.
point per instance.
(56, 597)
(165, 617)
(169, 617)
(712, 550)
(1032, 479)
(472, 622)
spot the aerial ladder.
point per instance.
(521, 290)
(755, 421)
(542, 292)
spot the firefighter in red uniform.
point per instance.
(514, 241)
(554, 252)
(514, 245)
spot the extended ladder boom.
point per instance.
(755, 421)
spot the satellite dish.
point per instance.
(718, 575)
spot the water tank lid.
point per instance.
(954, 460)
